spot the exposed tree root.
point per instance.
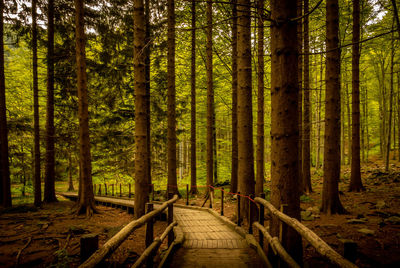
(20, 251)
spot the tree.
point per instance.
(86, 197)
(49, 177)
(355, 179)
(193, 182)
(5, 190)
(147, 74)
(300, 78)
(210, 97)
(306, 175)
(234, 166)
(285, 179)
(141, 115)
(245, 115)
(330, 191)
(38, 187)
(390, 104)
(171, 133)
(260, 99)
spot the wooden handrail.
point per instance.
(276, 246)
(114, 242)
(149, 251)
(320, 245)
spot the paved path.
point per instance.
(210, 243)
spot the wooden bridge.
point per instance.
(205, 239)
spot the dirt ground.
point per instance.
(50, 236)
(376, 210)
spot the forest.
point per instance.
(295, 102)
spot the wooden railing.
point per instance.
(320, 245)
(112, 244)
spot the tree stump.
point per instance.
(89, 244)
(348, 249)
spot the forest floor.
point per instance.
(50, 236)
(372, 221)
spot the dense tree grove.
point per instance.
(252, 94)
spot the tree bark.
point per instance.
(37, 181)
(86, 196)
(193, 169)
(330, 193)
(260, 99)
(70, 182)
(285, 180)
(234, 174)
(141, 115)
(49, 177)
(245, 114)
(307, 108)
(355, 178)
(171, 133)
(210, 95)
(299, 9)
(147, 75)
(387, 159)
(5, 189)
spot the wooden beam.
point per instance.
(320, 245)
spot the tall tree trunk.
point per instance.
(387, 159)
(398, 111)
(70, 182)
(348, 120)
(330, 193)
(5, 190)
(86, 197)
(234, 172)
(319, 101)
(396, 16)
(215, 149)
(210, 95)
(260, 99)
(299, 9)
(285, 180)
(141, 115)
(171, 133)
(193, 176)
(355, 179)
(38, 188)
(366, 122)
(49, 176)
(147, 75)
(245, 114)
(307, 114)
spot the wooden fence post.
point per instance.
(170, 219)
(105, 188)
(99, 189)
(261, 221)
(251, 216)
(112, 189)
(222, 201)
(187, 194)
(149, 233)
(129, 190)
(238, 209)
(89, 244)
(152, 189)
(283, 210)
(120, 190)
